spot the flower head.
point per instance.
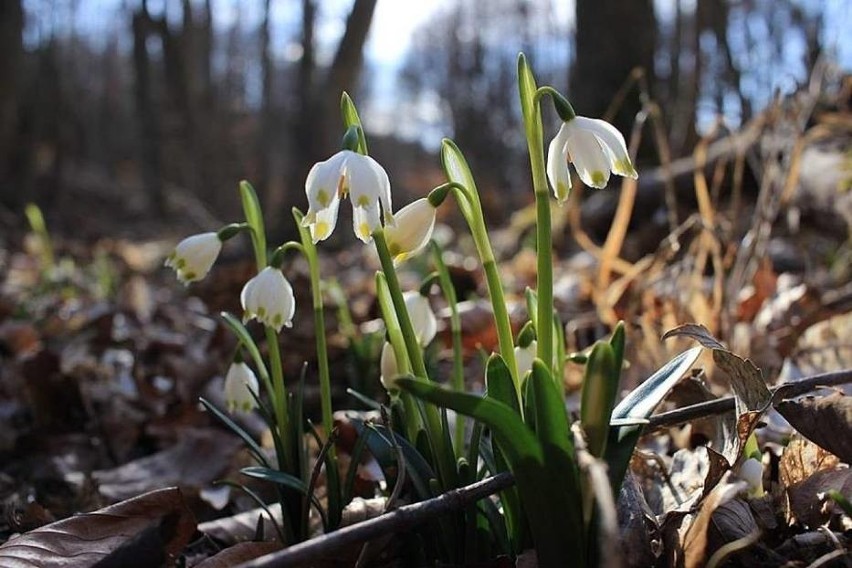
(240, 382)
(596, 148)
(194, 256)
(423, 319)
(388, 367)
(363, 179)
(269, 298)
(412, 229)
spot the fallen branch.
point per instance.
(722, 405)
(397, 520)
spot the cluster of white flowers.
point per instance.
(595, 147)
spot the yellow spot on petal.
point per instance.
(623, 167)
(323, 197)
(394, 249)
(181, 262)
(277, 320)
(261, 312)
(189, 276)
(321, 230)
(562, 190)
(364, 230)
(363, 201)
(598, 178)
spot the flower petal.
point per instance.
(590, 160)
(557, 166)
(613, 142)
(368, 183)
(423, 319)
(325, 220)
(365, 220)
(412, 230)
(321, 185)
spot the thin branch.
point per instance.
(722, 405)
(396, 521)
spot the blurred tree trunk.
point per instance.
(147, 117)
(316, 125)
(613, 37)
(12, 48)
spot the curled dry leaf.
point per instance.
(806, 501)
(148, 530)
(697, 332)
(801, 459)
(826, 421)
(242, 526)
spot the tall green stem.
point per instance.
(310, 252)
(534, 134)
(464, 189)
(455, 329)
(444, 456)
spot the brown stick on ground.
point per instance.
(396, 521)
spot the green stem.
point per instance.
(444, 456)
(415, 354)
(530, 99)
(279, 394)
(455, 328)
(476, 221)
(310, 252)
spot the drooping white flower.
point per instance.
(363, 179)
(423, 319)
(388, 367)
(524, 357)
(240, 382)
(595, 147)
(269, 298)
(412, 229)
(194, 256)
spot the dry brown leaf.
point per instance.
(148, 530)
(697, 332)
(826, 421)
(805, 502)
(239, 553)
(242, 526)
(199, 458)
(801, 459)
(695, 549)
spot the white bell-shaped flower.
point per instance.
(240, 382)
(194, 256)
(595, 147)
(751, 471)
(524, 357)
(412, 229)
(423, 319)
(363, 179)
(269, 298)
(388, 367)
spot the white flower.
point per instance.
(751, 471)
(596, 148)
(194, 256)
(422, 317)
(524, 357)
(388, 367)
(412, 229)
(347, 172)
(240, 382)
(269, 298)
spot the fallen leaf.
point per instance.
(826, 421)
(801, 459)
(806, 503)
(196, 460)
(239, 553)
(697, 332)
(695, 542)
(242, 526)
(148, 530)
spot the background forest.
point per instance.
(160, 107)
